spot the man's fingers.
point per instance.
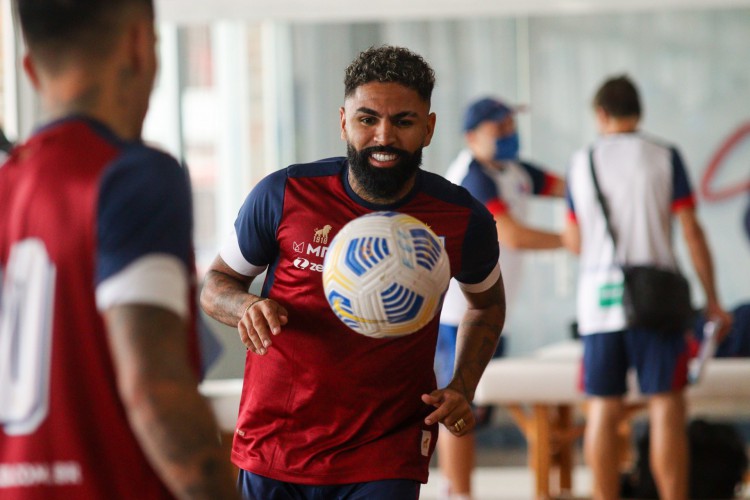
(461, 425)
(250, 338)
(263, 319)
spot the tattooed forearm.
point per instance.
(478, 335)
(171, 420)
(471, 362)
(178, 433)
(492, 326)
(224, 298)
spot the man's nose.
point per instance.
(385, 133)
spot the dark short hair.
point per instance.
(390, 64)
(53, 28)
(618, 97)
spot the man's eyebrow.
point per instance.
(368, 111)
(397, 116)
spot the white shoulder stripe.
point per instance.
(156, 279)
(232, 255)
(483, 285)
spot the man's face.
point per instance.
(385, 126)
(482, 140)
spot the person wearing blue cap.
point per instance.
(490, 168)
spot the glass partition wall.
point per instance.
(236, 100)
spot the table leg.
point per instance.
(541, 444)
(550, 435)
(565, 448)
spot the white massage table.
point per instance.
(541, 392)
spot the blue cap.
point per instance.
(487, 109)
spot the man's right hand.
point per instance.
(262, 319)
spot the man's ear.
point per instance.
(431, 119)
(601, 115)
(30, 68)
(342, 120)
(140, 40)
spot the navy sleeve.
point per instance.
(145, 207)
(681, 187)
(481, 249)
(258, 220)
(480, 185)
(538, 177)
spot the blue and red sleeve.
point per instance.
(682, 192)
(542, 182)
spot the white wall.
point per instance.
(691, 67)
(202, 11)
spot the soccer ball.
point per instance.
(385, 274)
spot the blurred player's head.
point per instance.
(490, 130)
(617, 106)
(386, 119)
(59, 31)
(90, 42)
(618, 98)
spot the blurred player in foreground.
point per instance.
(98, 360)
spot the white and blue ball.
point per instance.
(385, 274)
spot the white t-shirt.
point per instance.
(644, 182)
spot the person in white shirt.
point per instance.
(646, 186)
(492, 172)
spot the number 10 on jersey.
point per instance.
(26, 306)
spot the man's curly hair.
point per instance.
(390, 64)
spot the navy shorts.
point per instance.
(255, 487)
(660, 361)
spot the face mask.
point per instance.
(506, 148)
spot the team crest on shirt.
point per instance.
(425, 444)
(321, 235)
(298, 247)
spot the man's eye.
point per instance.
(367, 120)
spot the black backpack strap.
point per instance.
(601, 199)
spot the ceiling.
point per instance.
(202, 11)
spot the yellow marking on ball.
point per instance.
(346, 314)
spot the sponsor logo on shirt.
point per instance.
(304, 264)
(311, 254)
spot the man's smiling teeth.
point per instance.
(384, 156)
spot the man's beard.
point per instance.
(384, 182)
